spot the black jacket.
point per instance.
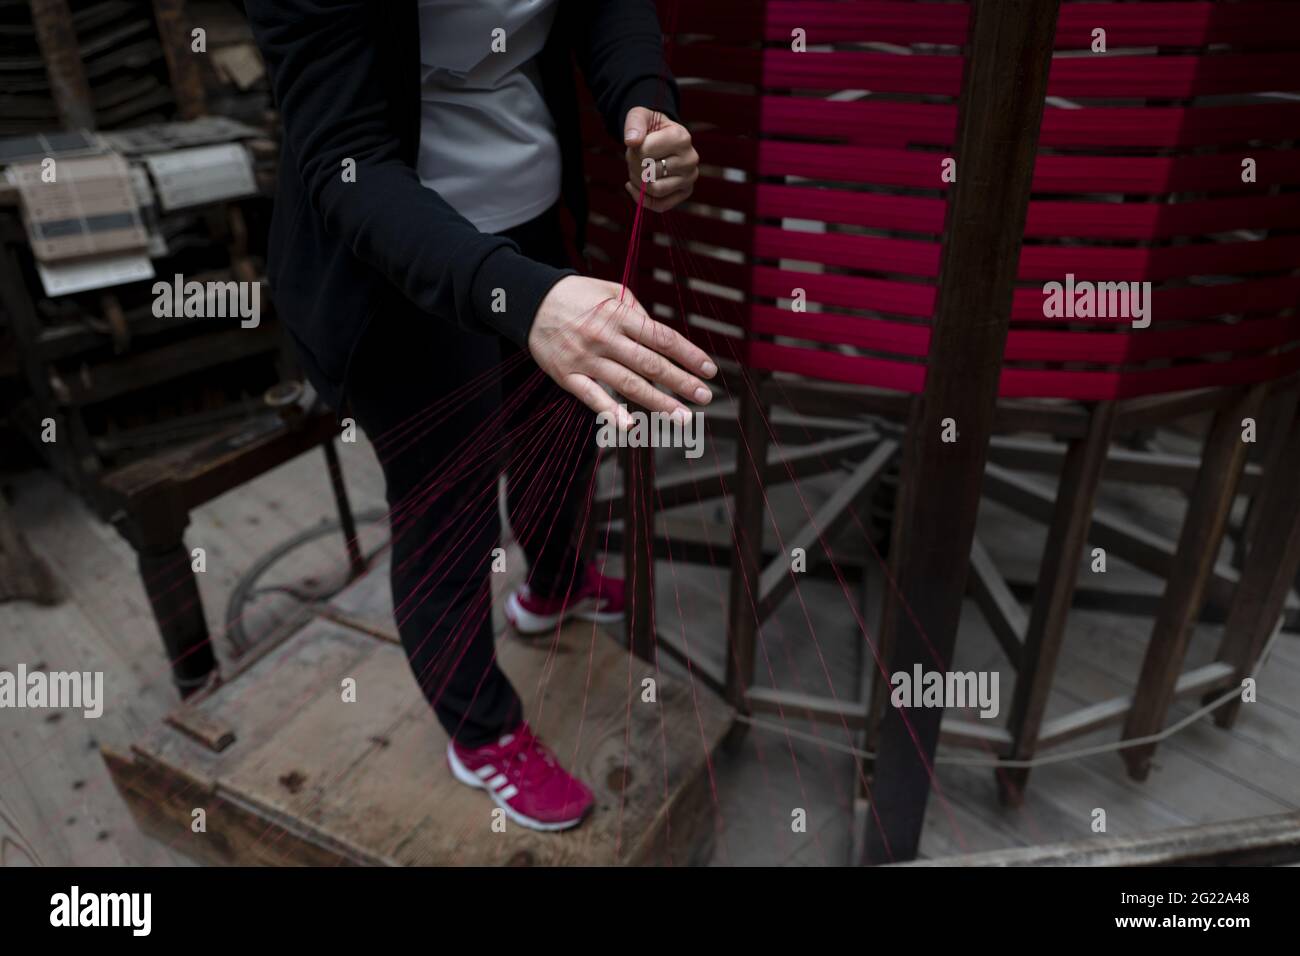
(346, 78)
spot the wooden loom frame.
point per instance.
(1250, 599)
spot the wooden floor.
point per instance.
(58, 805)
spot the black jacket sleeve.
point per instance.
(618, 46)
(322, 59)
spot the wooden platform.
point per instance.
(288, 773)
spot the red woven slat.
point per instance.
(1174, 77)
(1158, 174)
(1268, 25)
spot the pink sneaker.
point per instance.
(597, 598)
(523, 779)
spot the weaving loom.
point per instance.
(1170, 159)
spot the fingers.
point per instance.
(683, 170)
(594, 397)
(636, 389)
(667, 342)
(638, 124)
(670, 144)
(661, 204)
(611, 342)
(654, 367)
(672, 140)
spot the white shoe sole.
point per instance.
(465, 776)
(526, 622)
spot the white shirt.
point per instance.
(487, 140)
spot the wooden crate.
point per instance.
(287, 773)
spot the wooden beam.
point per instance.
(1136, 414)
(1145, 549)
(787, 426)
(1005, 617)
(793, 705)
(1009, 52)
(1122, 464)
(1145, 603)
(688, 487)
(699, 668)
(174, 31)
(1198, 548)
(748, 521)
(1254, 841)
(814, 537)
(57, 37)
(1066, 537)
(1104, 713)
(833, 399)
(1270, 567)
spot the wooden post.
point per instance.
(1208, 506)
(1268, 571)
(1009, 52)
(57, 38)
(1066, 537)
(747, 550)
(187, 81)
(878, 701)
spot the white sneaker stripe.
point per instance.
(496, 782)
(508, 792)
(485, 771)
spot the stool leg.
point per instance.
(1208, 506)
(1066, 537)
(173, 593)
(1270, 566)
(347, 523)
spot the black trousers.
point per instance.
(441, 487)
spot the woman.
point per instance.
(416, 254)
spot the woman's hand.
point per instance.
(651, 135)
(583, 338)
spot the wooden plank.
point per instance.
(1009, 52)
(210, 733)
(1256, 841)
(311, 778)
